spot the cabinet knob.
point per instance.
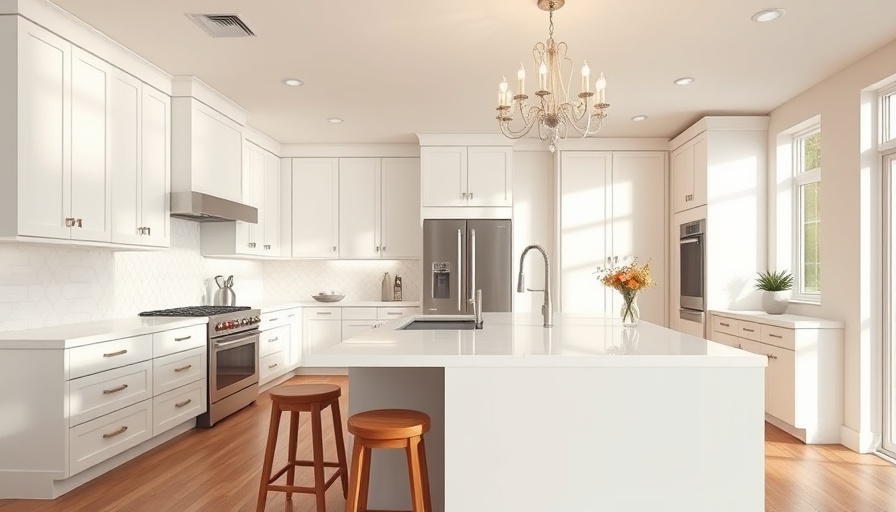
(334, 248)
(80, 223)
(471, 195)
(770, 356)
(69, 222)
(267, 247)
(252, 245)
(384, 248)
(464, 195)
(149, 231)
(377, 248)
(141, 231)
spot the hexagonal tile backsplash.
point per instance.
(44, 285)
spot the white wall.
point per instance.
(360, 280)
(850, 210)
(533, 223)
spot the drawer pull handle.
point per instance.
(723, 324)
(770, 356)
(275, 338)
(740, 347)
(272, 366)
(324, 312)
(394, 313)
(748, 330)
(290, 315)
(121, 430)
(185, 402)
(183, 368)
(776, 336)
(113, 354)
(115, 389)
(274, 319)
(185, 338)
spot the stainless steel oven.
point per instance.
(691, 259)
(233, 364)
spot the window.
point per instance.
(888, 118)
(807, 213)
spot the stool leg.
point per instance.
(291, 457)
(424, 476)
(357, 496)
(317, 437)
(268, 457)
(413, 453)
(340, 445)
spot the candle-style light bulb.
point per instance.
(601, 85)
(502, 92)
(521, 80)
(543, 76)
(586, 77)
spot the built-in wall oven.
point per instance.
(232, 357)
(691, 278)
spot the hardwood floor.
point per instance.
(217, 470)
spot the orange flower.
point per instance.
(632, 284)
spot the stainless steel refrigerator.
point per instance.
(462, 256)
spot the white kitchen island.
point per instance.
(585, 416)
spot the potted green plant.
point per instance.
(776, 288)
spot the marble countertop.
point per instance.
(266, 306)
(786, 321)
(520, 340)
(74, 335)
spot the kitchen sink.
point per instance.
(460, 324)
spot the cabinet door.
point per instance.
(638, 221)
(44, 128)
(489, 176)
(359, 208)
(780, 384)
(700, 169)
(320, 334)
(444, 172)
(402, 231)
(124, 163)
(271, 204)
(217, 153)
(155, 168)
(584, 235)
(90, 187)
(315, 207)
(682, 178)
(250, 237)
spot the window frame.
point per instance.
(886, 105)
(799, 179)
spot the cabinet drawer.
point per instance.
(749, 330)
(271, 366)
(178, 340)
(393, 313)
(273, 340)
(95, 441)
(104, 356)
(778, 337)
(175, 370)
(724, 324)
(323, 314)
(359, 313)
(177, 406)
(101, 393)
(351, 328)
(278, 318)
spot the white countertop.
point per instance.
(786, 321)
(268, 306)
(75, 335)
(509, 339)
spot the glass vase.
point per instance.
(629, 312)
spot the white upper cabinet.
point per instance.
(359, 208)
(467, 176)
(140, 162)
(58, 144)
(379, 208)
(689, 175)
(271, 207)
(315, 207)
(401, 231)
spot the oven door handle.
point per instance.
(690, 241)
(242, 341)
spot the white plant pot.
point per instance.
(775, 303)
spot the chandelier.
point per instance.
(553, 112)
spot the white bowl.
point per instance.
(328, 297)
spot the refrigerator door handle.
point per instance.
(460, 281)
(472, 265)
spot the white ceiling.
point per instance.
(393, 68)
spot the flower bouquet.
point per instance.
(628, 280)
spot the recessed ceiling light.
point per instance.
(685, 80)
(768, 15)
(293, 82)
(335, 120)
(639, 118)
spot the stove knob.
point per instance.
(244, 321)
(219, 326)
(257, 319)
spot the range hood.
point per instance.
(202, 207)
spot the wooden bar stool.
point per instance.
(295, 399)
(393, 429)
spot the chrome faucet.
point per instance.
(547, 309)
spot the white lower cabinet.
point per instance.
(280, 343)
(95, 395)
(804, 377)
(177, 406)
(97, 440)
(322, 326)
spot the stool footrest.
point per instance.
(283, 470)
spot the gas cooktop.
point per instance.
(196, 311)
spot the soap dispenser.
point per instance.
(387, 290)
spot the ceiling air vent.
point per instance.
(222, 25)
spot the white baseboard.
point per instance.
(861, 442)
